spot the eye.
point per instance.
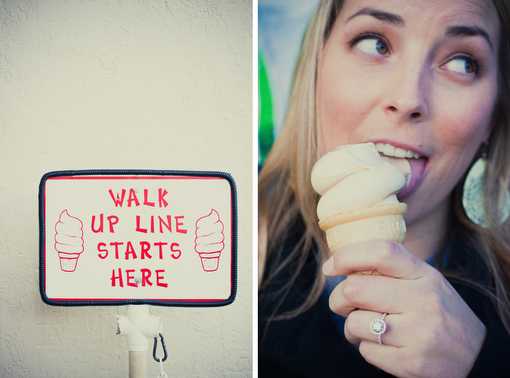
(463, 65)
(372, 45)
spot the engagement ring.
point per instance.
(378, 327)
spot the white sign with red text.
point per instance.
(110, 238)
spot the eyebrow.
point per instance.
(451, 31)
(390, 18)
(468, 31)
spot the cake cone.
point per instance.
(385, 221)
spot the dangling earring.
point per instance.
(473, 194)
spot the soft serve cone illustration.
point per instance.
(209, 240)
(358, 197)
(68, 241)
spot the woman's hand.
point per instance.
(431, 331)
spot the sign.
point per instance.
(138, 237)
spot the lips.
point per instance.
(416, 161)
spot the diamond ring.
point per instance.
(378, 327)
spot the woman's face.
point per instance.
(419, 79)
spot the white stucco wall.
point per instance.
(141, 84)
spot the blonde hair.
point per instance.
(286, 194)
(285, 191)
(493, 242)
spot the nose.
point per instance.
(407, 96)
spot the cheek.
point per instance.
(461, 127)
(341, 108)
(465, 125)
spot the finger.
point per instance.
(375, 293)
(384, 357)
(358, 328)
(387, 257)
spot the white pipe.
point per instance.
(137, 364)
(139, 327)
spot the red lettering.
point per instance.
(132, 197)
(161, 194)
(158, 278)
(101, 248)
(162, 223)
(173, 248)
(129, 251)
(115, 278)
(145, 246)
(116, 244)
(118, 201)
(100, 229)
(130, 277)
(145, 200)
(146, 273)
(177, 224)
(131, 281)
(112, 220)
(138, 229)
(160, 245)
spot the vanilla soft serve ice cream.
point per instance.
(358, 196)
(353, 177)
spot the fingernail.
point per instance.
(327, 267)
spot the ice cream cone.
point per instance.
(358, 191)
(68, 261)
(210, 261)
(385, 221)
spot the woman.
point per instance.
(424, 79)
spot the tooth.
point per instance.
(400, 152)
(389, 150)
(392, 151)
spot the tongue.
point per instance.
(417, 168)
(402, 164)
(412, 169)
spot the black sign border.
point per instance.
(136, 172)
